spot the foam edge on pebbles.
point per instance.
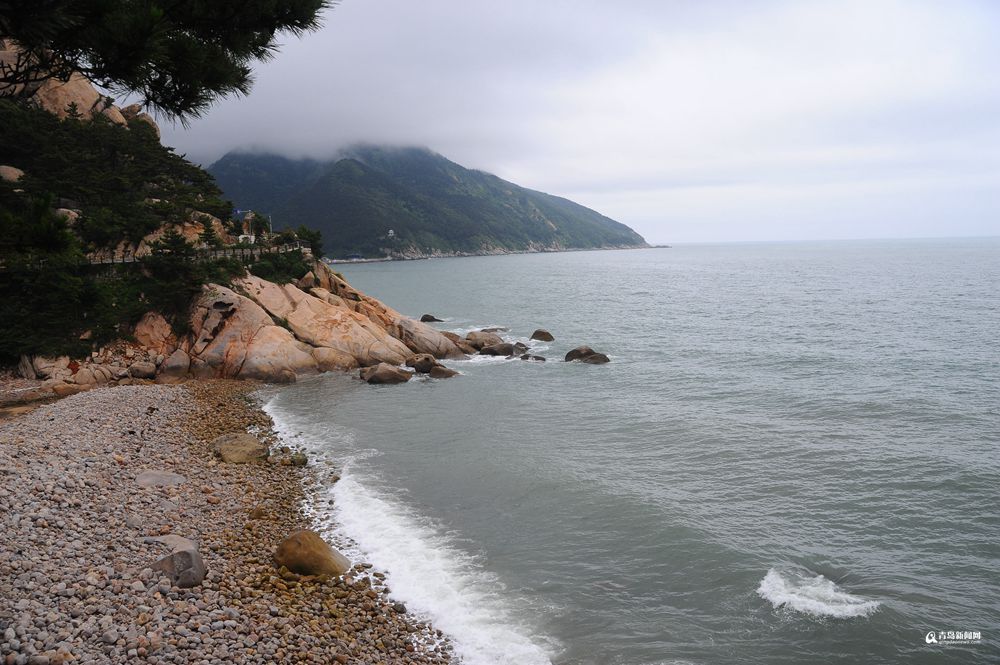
(77, 584)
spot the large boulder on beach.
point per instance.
(235, 338)
(306, 553)
(142, 370)
(175, 368)
(542, 335)
(239, 448)
(385, 373)
(184, 567)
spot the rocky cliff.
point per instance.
(255, 329)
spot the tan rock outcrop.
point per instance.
(10, 173)
(331, 360)
(52, 368)
(418, 337)
(135, 112)
(155, 333)
(235, 338)
(320, 324)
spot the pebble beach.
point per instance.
(94, 487)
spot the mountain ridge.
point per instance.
(410, 202)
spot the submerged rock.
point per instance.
(442, 372)
(587, 355)
(306, 553)
(501, 349)
(532, 358)
(595, 359)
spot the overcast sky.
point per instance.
(688, 121)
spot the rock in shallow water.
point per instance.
(385, 373)
(429, 318)
(502, 349)
(587, 355)
(422, 362)
(542, 335)
(442, 372)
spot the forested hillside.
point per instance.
(431, 204)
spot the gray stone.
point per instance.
(184, 568)
(159, 479)
(142, 370)
(175, 368)
(174, 542)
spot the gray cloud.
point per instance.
(687, 121)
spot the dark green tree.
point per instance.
(177, 56)
(313, 237)
(208, 234)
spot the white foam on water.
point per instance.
(812, 594)
(430, 575)
(424, 567)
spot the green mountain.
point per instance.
(431, 205)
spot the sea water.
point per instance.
(792, 456)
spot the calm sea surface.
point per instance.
(793, 457)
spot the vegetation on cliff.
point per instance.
(430, 204)
(89, 185)
(122, 180)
